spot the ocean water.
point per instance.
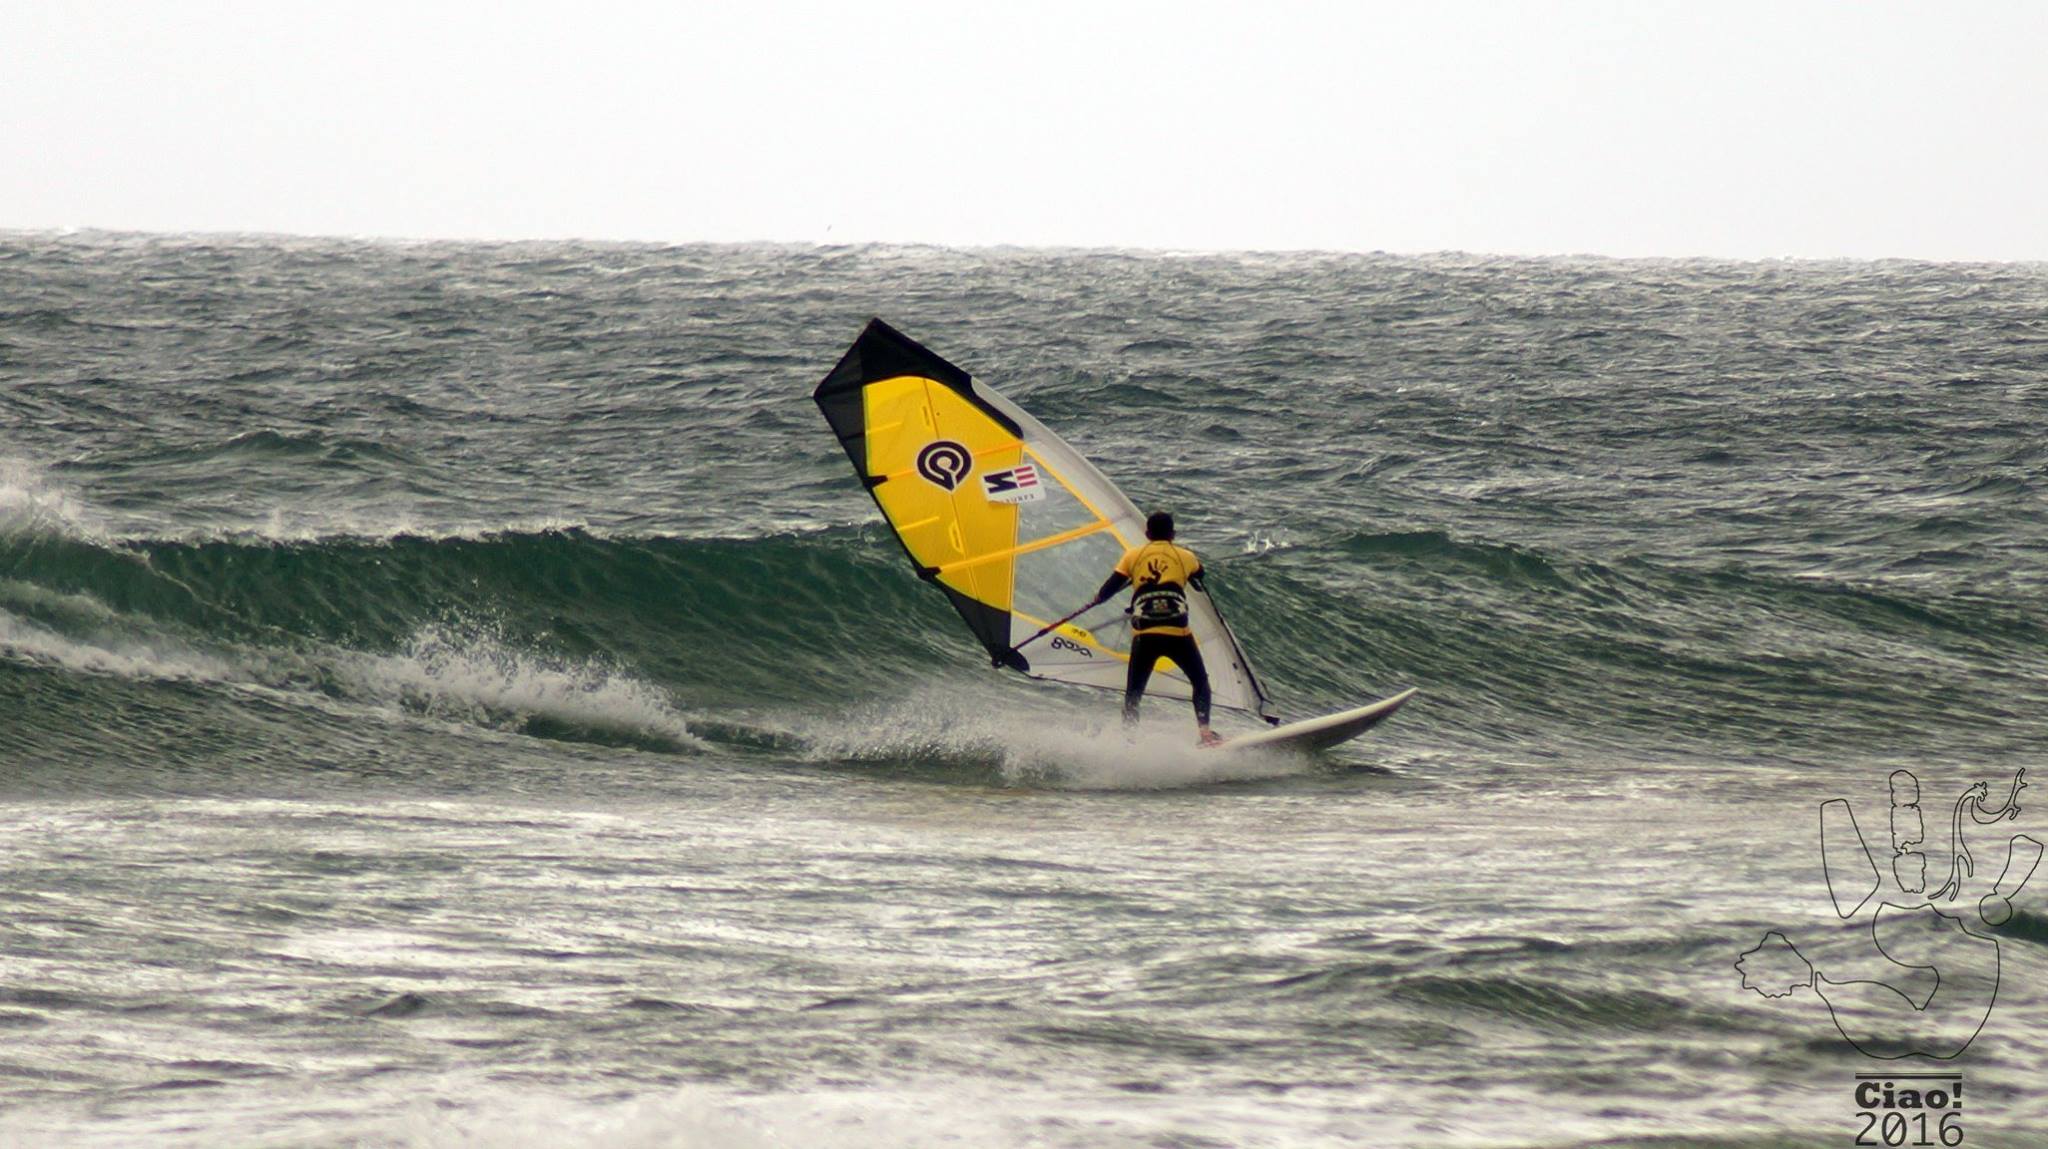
(457, 695)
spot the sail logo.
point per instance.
(1019, 484)
(945, 464)
(1069, 644)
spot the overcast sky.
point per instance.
(1702, 127)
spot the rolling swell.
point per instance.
(567, 633)
(1515, 645)
(693, 614)
(558, 634)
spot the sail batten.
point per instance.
(1005, 517)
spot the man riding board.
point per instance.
(1160, 573)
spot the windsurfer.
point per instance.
(1161, 571)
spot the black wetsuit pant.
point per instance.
(1147, 649)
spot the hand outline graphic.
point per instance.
(1936, 978)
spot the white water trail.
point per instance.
(1082, 747)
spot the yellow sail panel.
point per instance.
(928, 446)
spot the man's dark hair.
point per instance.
(1159, 526)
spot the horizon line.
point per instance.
(1137, 250)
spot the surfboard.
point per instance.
(1320, 733)
(1016, 527)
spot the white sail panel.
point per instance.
(1013, 524)
(1096, 646)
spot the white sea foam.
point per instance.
(475, 677)
(31, 504)
(82, 608)
(471, 678)
(956, 1112)
(299, 526)
(1069, 748)
(123, 657)
(1157, 755)
(689, 1120)
(1259, 542)
(707, 1118)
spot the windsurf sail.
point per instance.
(1014, 525)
